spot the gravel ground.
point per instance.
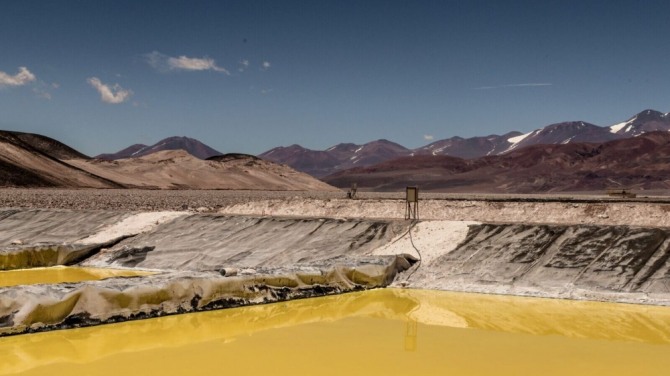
(212, 200)
(141, 200)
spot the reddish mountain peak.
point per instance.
(645, 121)
(385, 144)
(650, 115)
(472, 147)
(281, 152)
(190, 145)
(571, 125)
(122, 154)
(344, 147)
(342, 151)
(314, 162)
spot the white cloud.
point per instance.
(265, 65)
(157, 60)
(44, 90)
(23, 77)
(164, 63)
(428, 137)
(110, 94)
(244, 64)
(40, 93)
(266, 91)
(196, 64)
(530, 84)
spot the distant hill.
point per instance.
(128, 152)
(177, 169)
(645, 121)
(233, 157)
(344, 156)
(46, 145)
(190, 145)
(30, 160)
(639, 163)
(473, 147)
(563, 133)
(339, 157)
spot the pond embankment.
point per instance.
(266, 250)
(203, 262)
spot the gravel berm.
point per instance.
(212, 200)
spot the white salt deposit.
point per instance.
(432, 238)
(132, 225)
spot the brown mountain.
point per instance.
(642, 162)
(313, 162)
(30, 160)
(564, 133)
(178, 169)
(342, 156)
(645, 121)
(128, 152)
(473, 147)
(190, 145)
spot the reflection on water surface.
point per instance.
(381, 332)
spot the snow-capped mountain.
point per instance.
(562, 133)
(639, 163)
(468, 147)
(348, 155)
(645, 121)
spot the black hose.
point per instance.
(411, 240)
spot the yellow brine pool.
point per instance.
(380, 332)
(59, 274)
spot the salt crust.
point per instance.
(132, 225)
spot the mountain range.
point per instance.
(568, 156)
(639, 163)
(344, 156)
(32, 160)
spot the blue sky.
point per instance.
(245, 76)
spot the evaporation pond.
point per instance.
(380, 332)
(58, 274)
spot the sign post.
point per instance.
(412, 201)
